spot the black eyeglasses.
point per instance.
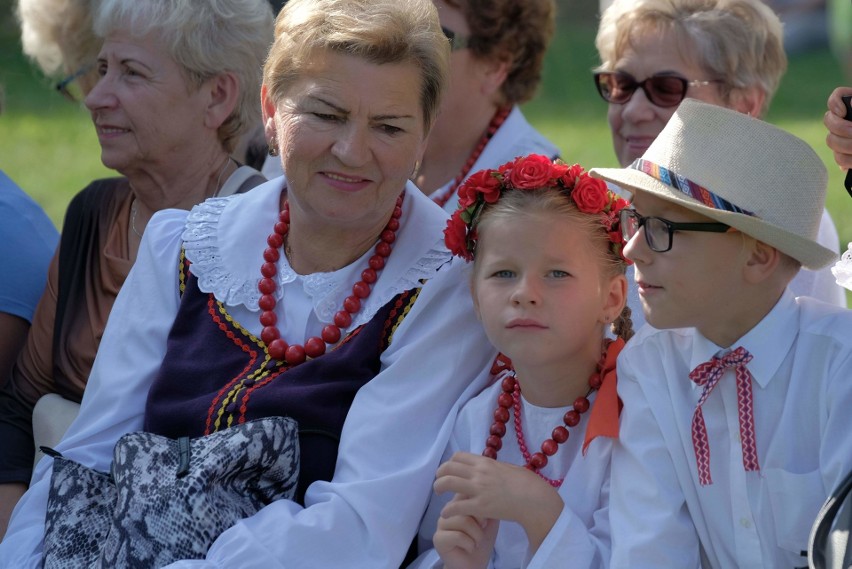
(659, 231)
(662, 90)
(457, 41)
(66, 86)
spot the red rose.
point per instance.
(569, 178)
(483, 182)
(558, 170)
(455, 236)
(590, 194)
(617, 204)
(531, 172)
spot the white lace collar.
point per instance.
(224, 238)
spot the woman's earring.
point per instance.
(273, 147)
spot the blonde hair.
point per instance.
(551, 200)
(380, 31)
(206, 38)
(57, 34)
(518, 32)
(737, 42)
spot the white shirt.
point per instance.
(396, 429)
(580, 537)
(660, 514)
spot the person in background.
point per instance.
(326, 295)
(58, 36)
(545, 244)
(176, 89)
(839, 138)
(655, 53)
(735, 424)
(498, 50)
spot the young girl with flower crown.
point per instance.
(547, 277)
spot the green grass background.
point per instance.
(49, 148)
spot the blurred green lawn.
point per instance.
(48, 146)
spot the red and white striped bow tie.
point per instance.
(708, 375)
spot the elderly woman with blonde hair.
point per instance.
(655, 53)
(325, 296)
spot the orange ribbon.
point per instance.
(603, 416)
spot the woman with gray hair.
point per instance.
(655, 53)
(178, 85)
(326, 296)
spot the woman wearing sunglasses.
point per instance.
(655, 53)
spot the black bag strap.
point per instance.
(820, 534)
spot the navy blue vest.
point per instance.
(215, 374)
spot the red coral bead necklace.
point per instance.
(315, 346)
(510, 398)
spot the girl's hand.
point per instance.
(463, 542)
(839, 138)
(489, 489)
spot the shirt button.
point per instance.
(746, 523)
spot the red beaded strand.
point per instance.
(496, 122)
(295, 354)
(510, 397)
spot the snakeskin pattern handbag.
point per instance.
(167, 499)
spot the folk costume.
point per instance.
(182, 354)
(581, 534)
(801, 362)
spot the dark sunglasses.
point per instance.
(661, 90)
(457, 41)
(659, 231)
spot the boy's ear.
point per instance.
(761, 262)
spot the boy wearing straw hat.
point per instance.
(738, 406)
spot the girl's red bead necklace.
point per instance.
(510, 397)
(295, 354)
(442, 197)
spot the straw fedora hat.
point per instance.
(737, 170)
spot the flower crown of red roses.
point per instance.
(531, 172)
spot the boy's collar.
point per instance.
(769, 341)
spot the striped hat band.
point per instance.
(686, 186)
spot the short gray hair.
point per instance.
(206, 38)
(738, 42)
(380, 31)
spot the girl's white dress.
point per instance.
(580, 537)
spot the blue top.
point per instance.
(27, 241)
